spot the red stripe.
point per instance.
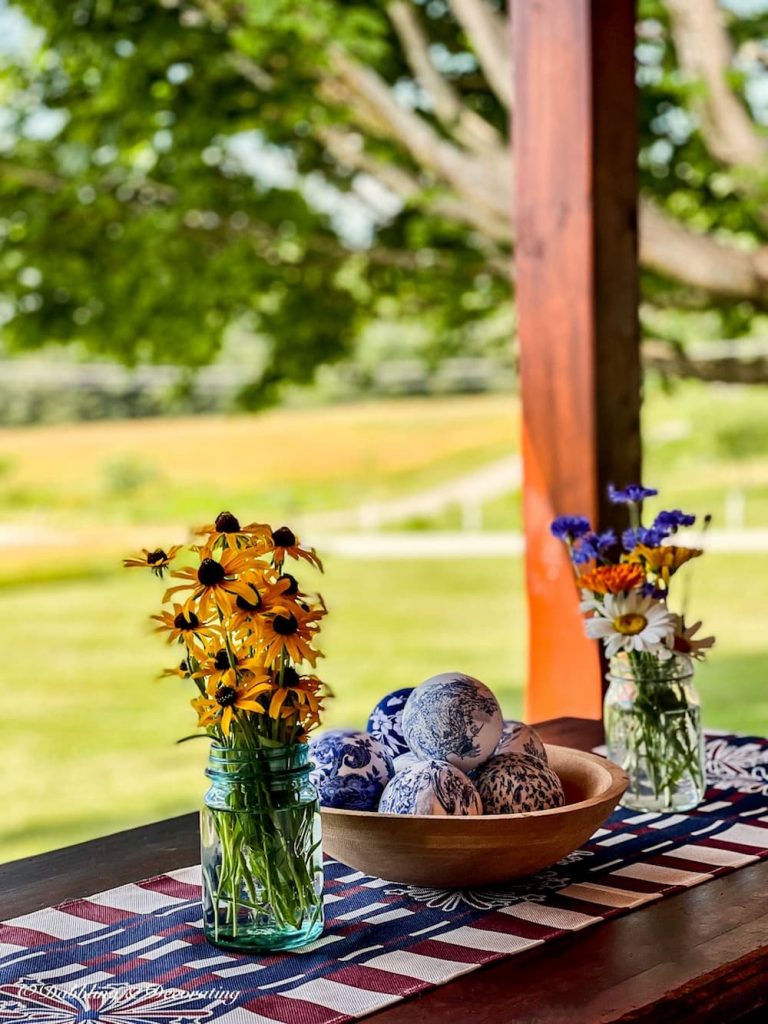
(638, 885)
(722, 844)
(560, 902)
(95, 912)
(509, 925)
(374, 980)
(171, 887)
(24, 936)
(449, 951)
(294, 1011)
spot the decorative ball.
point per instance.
(386, 721)
(406, 760)
(453, 717)
(431, 787)
(351, 769)
(519, 738)
(512, 783)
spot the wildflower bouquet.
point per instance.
(652, 712)
(247, 633)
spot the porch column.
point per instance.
(575, 153)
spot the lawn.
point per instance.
(88, 735)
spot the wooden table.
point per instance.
(700, 955)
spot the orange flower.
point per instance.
(664, 561)
(157, 560)
(613, 579)
(291, 634)
(285, 542)
(228, 532)
(217, 582)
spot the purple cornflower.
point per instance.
(632, 494)
(670, 522)
(569, 527)
(651, 590)
(593, 545)
(649, 536)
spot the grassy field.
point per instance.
(87, 739)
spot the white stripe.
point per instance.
(614, 840)
(670, 821)
(354, 877)
(134, 899)
(317, 944)
(58, 972)
(480, 938)
(209, 961)
(640, 819)
(331, 898)
(717, 805)
(600, 832)
(242, 1016)
(100, 938)
(591, 892)
(56, 923)
(390, 915)
(710, 855)
(604, 867)
(745, 835)
(9, 947)
(343, 998)
(182, 906)
(376, 883)
(415, 965)
(753, 814)
(231, 972)
(658, 846)
(89, 979)
(664, 876)
(158, 951)
(283, 981)
(431, 928)
(141, 944)
(361, 911)
(191, 875)
(708, 828)
(359, 952)
(18, 959)
(552, 917)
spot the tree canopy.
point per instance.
(171, 167)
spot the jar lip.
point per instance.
(282, 761)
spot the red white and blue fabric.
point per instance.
(136, 954)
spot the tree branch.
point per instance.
(487, 182)
(700, 261)
(464, 124)
(705, 54)
(488, 32)
(744, 361)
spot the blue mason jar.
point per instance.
(261, 854)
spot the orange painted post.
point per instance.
(575, 152)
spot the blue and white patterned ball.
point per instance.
(386, 721)
(513, 783)
(431, 787)
(453, 717)
(519, 738)
(351, 769)
(406, 760)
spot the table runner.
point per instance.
(136, 954)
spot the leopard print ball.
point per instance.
(516, 783)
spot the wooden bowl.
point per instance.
(456, 852)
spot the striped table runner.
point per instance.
(137, 953)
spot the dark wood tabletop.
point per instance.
(699, 955)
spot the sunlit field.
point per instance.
(88, 734)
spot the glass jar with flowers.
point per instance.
(652, 712)
(247, 631)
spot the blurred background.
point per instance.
(258, 261)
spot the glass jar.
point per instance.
(652, 718)
(261, 855)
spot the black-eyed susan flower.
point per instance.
(227, 532)
(217, 581)
(225, 667)
(291, 634)
(157, 561)
(220, 707)
(183, 670)
(286, 543)
(266, 598)
(295, 695)
(183, 623)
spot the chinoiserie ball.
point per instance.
(512, 783)
(519, 738)
(351, 769)
(386, 721)
(406, 760)
(431, 787)
(453, 717)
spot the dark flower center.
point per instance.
(293, 584)
(285, 625)
(221, 661)
(226, 696)
(186, 622)
(290, 676)
(210, 572)
(184, 666)
(227, 523)
(283, 538)
(247, 606)
(156, 556)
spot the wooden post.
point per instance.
(575, 150)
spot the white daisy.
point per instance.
(631, 622)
